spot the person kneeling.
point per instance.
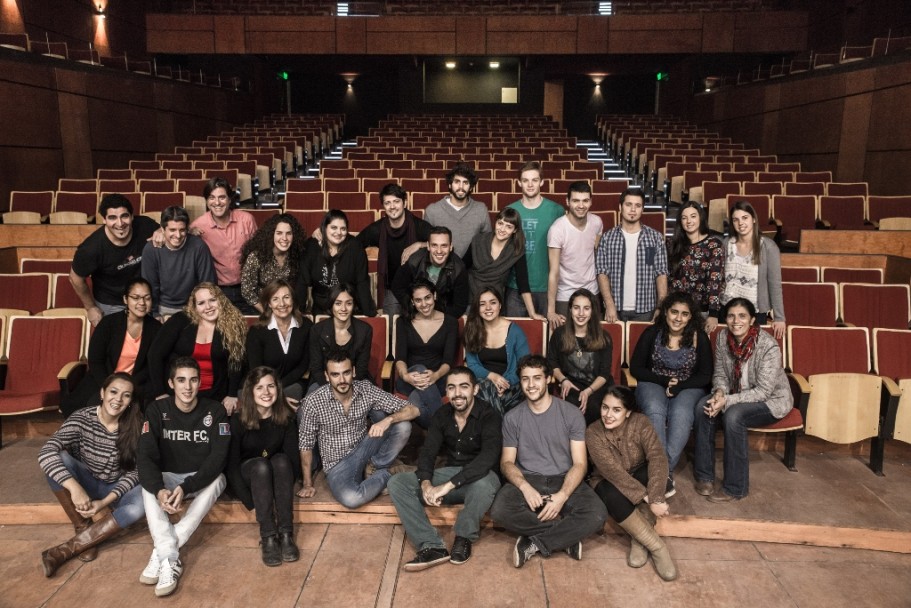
(468, 429)
(182, 452)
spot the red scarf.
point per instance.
(742, 352)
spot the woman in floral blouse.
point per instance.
(696, 261)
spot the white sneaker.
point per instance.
(168, 576)
(149, 574)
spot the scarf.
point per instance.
(388, 232)
(742, 353)
(486, 271)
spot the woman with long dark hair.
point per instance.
(340, 330)
(580, 353)
(695, 260)
(263, 462)
(273, 252)
(90, 463)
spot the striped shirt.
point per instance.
(87, 440)
(651, 262)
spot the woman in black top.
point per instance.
(425, 349)
(281, 339)
(338, 259)
(343, 330)
(580, 353)
(263, 463)
(109, 351)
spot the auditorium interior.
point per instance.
(800, 107)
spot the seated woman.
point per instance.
(492, 256)
(629, 476)
(696, 262)
(425, 349)
(273, 252)
(120, 343)
(672, 364)
(343, 330)
(263, 463)
(281, 339)
(90, 463)
(580, 353)
(750, 389)
(338, 258)
(493, 347)
(212, 331)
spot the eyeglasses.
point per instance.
(138, 299)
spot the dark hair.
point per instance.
(114, 201)
(393, 189)
(442, 230)
(595, 336)
(262, 243)
(624, 395)
(581, 186)
(134, 282)
(632, 191)
(338, 355)
(462, 369)
(332, 215)
(757, 238)
(532, 165)
(419, 283)
(534, 362)
(336, 290)
(174, 213)
(511, 216)
(751, 308)
(180, 363)
(679, 243)
(129, 424)
(214, 184)
(246, 405)
(689, 330)
(475, 336)
(462, 170)
(269, 290)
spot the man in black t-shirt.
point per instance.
(111, 256)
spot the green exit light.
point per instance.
(661, 76)
(283, 75)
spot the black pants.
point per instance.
(271, 482)
(619, 506)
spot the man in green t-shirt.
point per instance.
(537, 214)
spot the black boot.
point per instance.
(272, 553)
(89, 538)
(290, 552)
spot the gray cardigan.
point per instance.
(765, 375)
(769, 289)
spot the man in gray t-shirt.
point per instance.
(544, 461)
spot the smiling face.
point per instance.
(264, 393)
(530, 182)
(459, 189)
(579, 204)
(739, 322)
(219, 203)
(581, 312)
(282, 303)
(138, 301)
(282, 238)
(504, 230)
(631, 209)
(394, 207)
(118, 225)
(689, 221)
(613, 413)
(175, 234)
(488, 306)
(439, 246)
(677, 316)
(343, 307)
(337, 232)
(743, 224)
(116, 398)
(424, 301)
(186, 385)
(461, 392)
(207, 305)
(534, 382)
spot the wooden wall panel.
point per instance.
(855, 128)
(718, 33)
(230, 34)
(593, 34)
(351, 36)
(645, 41)
(75, 135)
(471, 36)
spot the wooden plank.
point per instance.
(44, 235)
(391, 571)
(891, 242)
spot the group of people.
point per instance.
(181, 399)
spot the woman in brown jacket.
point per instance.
(630, 475)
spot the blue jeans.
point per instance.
(346, 477)
(672, 417)
(515, 305)
(735, 422)
(427, 400)
(632, 315)
(110, 309)
(477, 496)
(127, 509)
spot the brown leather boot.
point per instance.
(89, 538)
(80, 523)
(638, 555)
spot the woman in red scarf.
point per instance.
(750, 390)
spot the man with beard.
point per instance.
(463, 215)
(468, 429)
(439, 265)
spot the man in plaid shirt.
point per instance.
(631, 262)
(338, 416)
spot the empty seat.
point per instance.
(48, 265)
(801, 274)
(879, 207)
(313, 201)
(811, 304)
(768, 188)
(847, 189)
(892, 361)
(77, 185)
(869, 305)
(793, 214)
(802, 188)
(63, 294)
(159, 201)
(30, 291)
(843, 212)
(812, 176)
(346, 200)
(41, 203)
(157, 185)
(852, 275)
(350, 184)
(359, 219)
(84, 202)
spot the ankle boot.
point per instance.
(639, 528)
(80, 523)
(90, 537)
(638, 555)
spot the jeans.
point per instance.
(427, 400)
(618, 505)
(109, 309)
(477, 496)
(232, 292)
(582, 515)
(126, 510)
(632, 315)
(346, 477)
(735, 420)
(271, 482)
(672, 417)
(515, 305)
(168, 537)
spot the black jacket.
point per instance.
(264, 348)
(322, 339)
(350, 267)
(452, 284)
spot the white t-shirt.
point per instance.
(629, 270)
(577, 254)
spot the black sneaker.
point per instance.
(427, 558)
(524, 550)
(272, 552)
(575, 551)
(290, 552)
(461, 550)
(669, 489)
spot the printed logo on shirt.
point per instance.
(145, 426)
(224, 428)
(164, 416)
(207, 421)
(133, 260)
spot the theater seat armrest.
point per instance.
(797, 381)
(892, 394)
(70, 375)
(386, 372)
(775, 221)
(891, 386)
(629, 379)
(824, 224)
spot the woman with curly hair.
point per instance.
(338, 258)
(672, 363)
(695, 259)
(212, 331)
(273, 252)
